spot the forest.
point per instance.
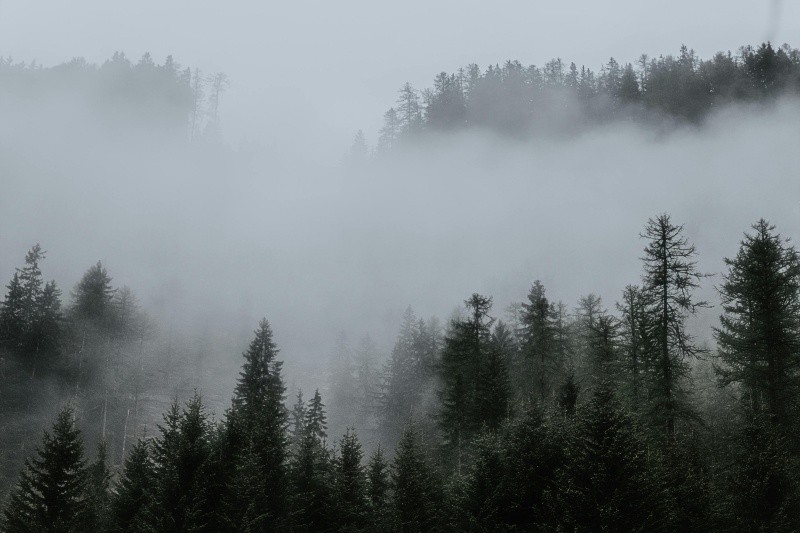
(543, 415)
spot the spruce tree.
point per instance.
(538, 340)
(378, 491)
(51, 494)
(316, 423)
(98, 483)
(413, 498)
(132, 491)
(759, 333)
(92, 296)
(608, 486)
(467, 347)
(350, 485)
(181, 457)
(312, 505)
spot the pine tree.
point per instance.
(670, 275)
(131, 494)
(493, 390)
(412, 486)
(298, 421)
(466, 349)
(378, 491)
(636, 343)
(98, 483)
(350, 485)
(311, 484)
(180, 455)
(316, 422)
(608, 486)
(12, 318)
(259, 416)
(92, 296)
(759, 334)
(538, 342)
(51, 494)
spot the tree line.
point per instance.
(175, 99)
(559, 97)
(552, 420)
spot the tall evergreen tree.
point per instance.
(378, 491)
(132, 491)
(350, 485)
(670, 276)
(412, 487)
(759, 333)
(538, 342)
(92, 296)
(51, 494)
(467, 348)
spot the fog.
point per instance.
(211, 238)
(274, 223)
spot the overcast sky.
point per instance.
(317, 71)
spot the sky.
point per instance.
(311, 73)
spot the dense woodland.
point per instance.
(559, 98)
(543, 416)
(587, 419)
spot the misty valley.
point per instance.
(543, 299)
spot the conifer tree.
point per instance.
(51, 494)
(311, 475)
(538, 342)
(759, 334)
(12, 318)
(298, 421)
(670, 276)
(316, 423)
(92, 296)
(412, 486)
(350, 489)
(259, 496)
(466, 349)
(131, 494)
(98, 483)
(181, 454)
(378, 491)
(609, 486)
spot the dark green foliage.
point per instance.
(380, 513)
(670, 276)
(92, 296)
(764, 491)
(181, 456)
(352, 503)
(538, 343)
(466, 360)
(52, 490)
(132, 491)
(312, 478)
(413, 496)
(98, 483)
(759, 334)
(607, 484)
(408, 377)
(316, 422)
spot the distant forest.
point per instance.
(556, 419)
(121, 92)
(518, 100)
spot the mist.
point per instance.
(222, 237)
(266, 208)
